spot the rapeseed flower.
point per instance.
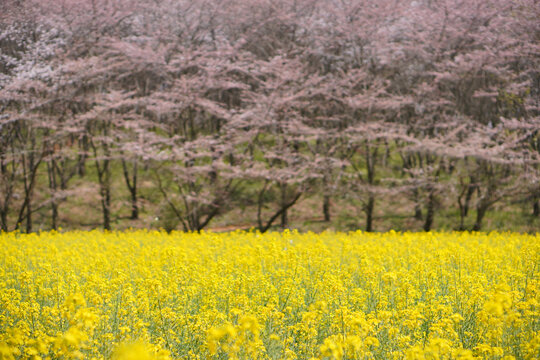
(240, 295)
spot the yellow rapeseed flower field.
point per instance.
(245, 295)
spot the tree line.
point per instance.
(226, 104)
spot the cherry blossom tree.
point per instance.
(227, 103)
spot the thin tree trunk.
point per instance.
(54, 216)
(30, 190)
(260, 206)
(103, 169)
(461, 218)
(29, 216)
(4, 209)
(3, 218)
(536, 208)
(105, 192)
(29, 174)
(326, 208)
(105, 205)
(134, 206)
(284, 217)
(470, 191)
(269, 223)
(52, 187)
(371, 160)
(370, 206)
(131, 183)
(430, 212)
(81, 162)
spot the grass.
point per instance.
(83, 211)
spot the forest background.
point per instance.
(223, 114)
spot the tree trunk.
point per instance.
(260, 203)
(480, 213)
(54, 216)
(370, 206)
(104, 177)
(52, 187)
(29, 173)
(470, 191)
(264, 228)
(106, 206)
(131, 183)
(326, 208)
(81, 161)
(134, 206)
(430, 212)
(284, 217)
(29, 216)
(461, 218)
(6, 198)
(371, 159)
(3, 219)
(536, 208)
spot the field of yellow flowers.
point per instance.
(245, 295)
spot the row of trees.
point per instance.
(229, 103)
